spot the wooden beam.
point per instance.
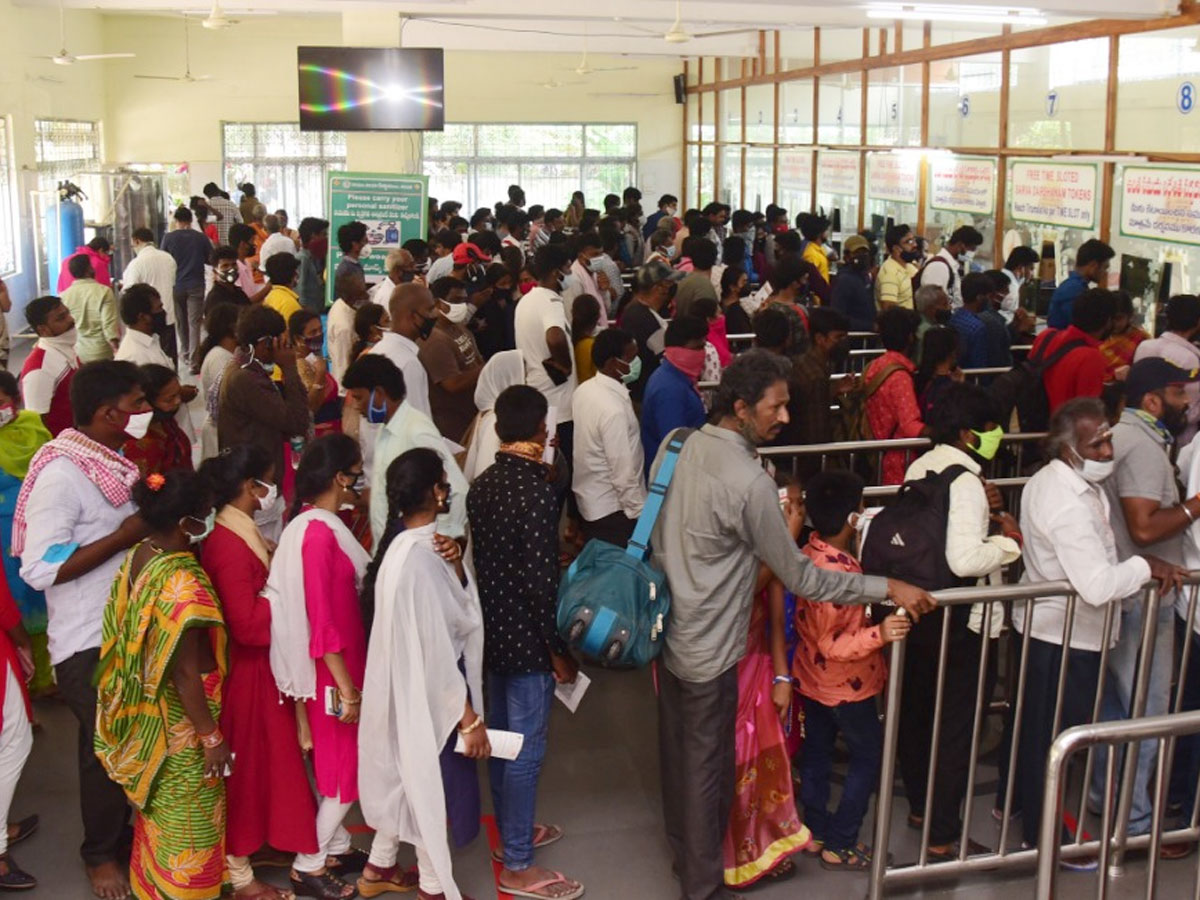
(1110, 138)
(718, 110)
(926, 41)
(775, 66)
(899, 42)
(742, 204)
(687, 146)
(862, 131)
(775, 133)
(816, 124)
(1002, 164)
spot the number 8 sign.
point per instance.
(1186, 101)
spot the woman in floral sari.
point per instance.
(162, 663)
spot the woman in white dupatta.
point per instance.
(500, 372)
(427, 631)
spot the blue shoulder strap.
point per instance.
(639, 544)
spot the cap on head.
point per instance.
(653, 272)
(1154, 374)
(854, 243)
(469, 254)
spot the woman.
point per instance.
(268, 796)
(304, 328)
(492, 323)
(370, 323)
(737, 319)
(216, 353)
(573, 214)
(164, 446)
(158, 695)
(500, 372)
(939, 367)
(585, 316)
(318, 646)
(890, 394)
(423, 681)
(21, 436)
(1126, 335)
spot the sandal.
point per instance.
(421, 895)
(265, 892)
(353, 860)
(536, 891)
(23, 829)
(974, 848)
(393, 880)
(13, 877)
(784, 870)
(852, 859)
(323, 885)
(543, 836)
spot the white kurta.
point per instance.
(414, 694)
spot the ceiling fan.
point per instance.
(187, 63)
(216, 20)
(65, 57)
(553, 84)
(584, 69)
(677, 34)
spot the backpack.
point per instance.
(916, 279)
(1023, 387)
(856, 425)
(612, 604)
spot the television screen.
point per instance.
(370, 89)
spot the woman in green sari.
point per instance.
(162, 663)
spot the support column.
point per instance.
(384, 151)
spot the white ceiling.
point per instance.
(610, 26)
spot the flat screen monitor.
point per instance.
(371, 89)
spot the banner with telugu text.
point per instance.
(964, 184)
(1161, 204)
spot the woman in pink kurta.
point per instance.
(892, 407)
(268, 797)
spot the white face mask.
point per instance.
(1092, 470)
(139, 424)
(7, 414)
(265, 503)
(64, 341)
(458, 313)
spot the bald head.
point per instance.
(410, 308)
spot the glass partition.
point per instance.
(796, 112)
(894, 107)
(731, 176)
(760, 114)
(840, 111)
(964, 101)
(760, 178)
(1157, 81)
(1057, 96)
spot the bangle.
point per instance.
(212, 740)
(783, 679)
(351, 701)
(474, 726)
(1187, 512)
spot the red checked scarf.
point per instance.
(112, 473)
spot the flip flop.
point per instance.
(531, 891)
(25, 828)
(543, 836)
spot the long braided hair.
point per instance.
(411, 478)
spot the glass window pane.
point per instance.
(837, 189)
(795, 181)
(453, 141)
(1058, 96)
(964, 101)
(605, 178)
(840, 109)
(839, 44)
(894, 107)
(760, 176)
(796, 49)
(730, 116)
(796, 112)
(707, 188)
(611, 140)
(951, 33)
(731, 176)
(9, 245)
(552, 182)
(708, 116)
(450, 179)
(760, 113)
(693, 117)
(239, 140)
(532, 140)
(1157, 81)
(693, 176)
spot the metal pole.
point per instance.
(887, 773)
(938, 703)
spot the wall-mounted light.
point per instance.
(958, 14)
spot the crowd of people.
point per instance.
(281, 559)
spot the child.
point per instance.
(839, 670)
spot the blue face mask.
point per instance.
(376, 415)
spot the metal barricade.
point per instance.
(1020, 602)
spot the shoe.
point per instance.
(998, 814)
(1076, 864)
(391, 881)
(974, 848)
(353, 860)
(1176, 850)
(13, 877)
(325, 886)
(24, 829)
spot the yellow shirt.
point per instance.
(893, 284)
(815, 255)
(283, 300)
(584, 369)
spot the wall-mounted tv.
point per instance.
(371, 89)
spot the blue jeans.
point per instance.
(519, 703)
(859, 726)
(1118, 693)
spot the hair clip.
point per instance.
(155, 481)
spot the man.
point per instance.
(190, 249)
(667, 204)
(514, 521)
(717, 215)
(538, 235)
(99, 251)
(452, 361)
(156, 268)
(721, 517)
(543, 335)
(351, 293)
(742, 225)
(584, 277)
(810, 389)
(1144, 487)
(352, 241)
(703, 254)
(893, 283)
(48, 371)
(515, 230)
(607, 477)
(1175, 345)
(225, 287)
(401, 269)
(516, 196)
(375, 386)
(815, 230)
(933, 303)
(414, 316)
(225, 210)
(1018, 269)
(999, 333)
(653, 287)
(314, 247)
(443, 244)
(75, 520)
(945, 270)
(1091, 268)
(140, 306)
(276, 242)
(481, 220)
(672, 399)
(281, 269)
(1083, 371)
(972, 333)
(250, 280)
(94, 309)
(853, 296)
(419, 251)
(468, 263)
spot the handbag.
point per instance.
(612, 604)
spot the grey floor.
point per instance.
(600, 783)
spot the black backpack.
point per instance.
(1023, 387)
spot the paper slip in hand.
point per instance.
(571, 694)
(505, 744)
(551, 431)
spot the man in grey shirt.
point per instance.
(721, 517)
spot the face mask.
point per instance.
(407, 277)
(1175, 420)
(319, 247)
(941, 316)
(360, 484)
(376, 415)
(689, 362)
(1092, 470)
(669, 251)
(635, 370)
(314, 345)
(209, 521)
(426, 328)
(162, 415)
(593, 264)
(138, 424)
(458, 313)
(229, 276)
(7, 413)
(64, 342)
(989, 442)
(966, 256)
(268, 501)
(910, 255)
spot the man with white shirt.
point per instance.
(74, 521)
(276, 242)
(140, 345)
(543, 335)
(1175, 345)
(1066, 520)
(414, 314)
(442, 246)
(583, 280)
(514, 230)
(608, 480)
(401, 269)
(351, 292)
(50, 367)
(1018, 269)
(945, 270)
(156, 268)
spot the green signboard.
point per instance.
(393, 207)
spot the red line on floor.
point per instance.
(493, 835)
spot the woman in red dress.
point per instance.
(268, 795)
(164, 446)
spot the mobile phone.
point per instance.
(333, 701)
(783, 498)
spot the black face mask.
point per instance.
(160, 321)
(910, 255)
(941, 316)
(161, 416)
(426, 328)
